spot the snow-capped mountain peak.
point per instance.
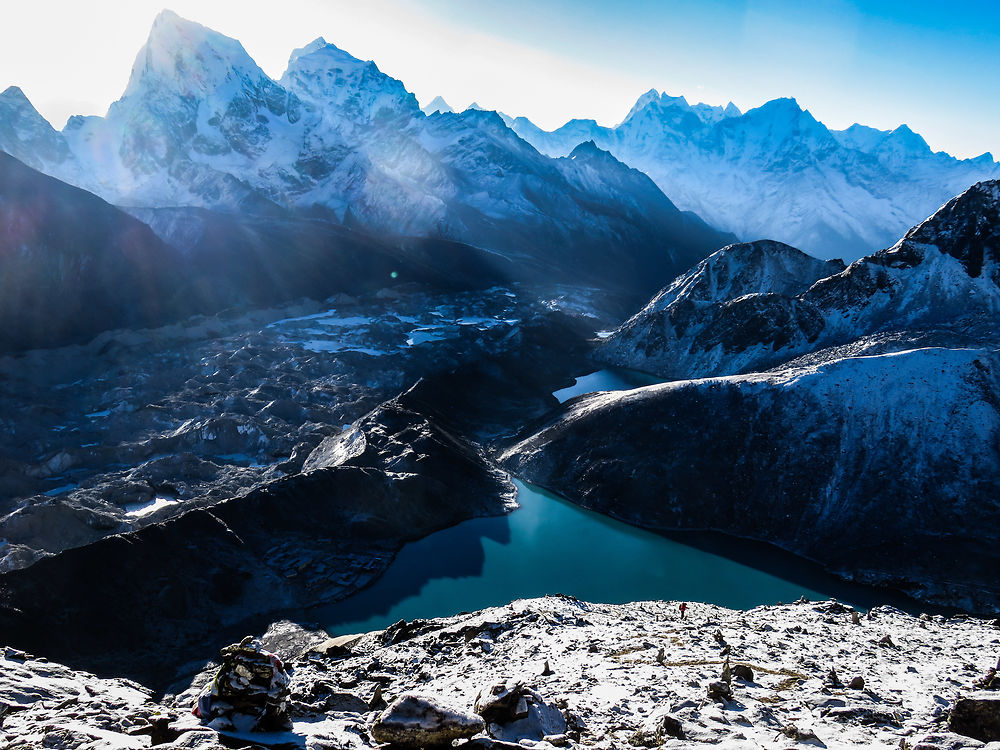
(776, 171)
(650, 97)
(780, 126)
(967, 228)
(26, 135)
(860, 137)
(904, 143)
(336, 81)
(784, 111)
(314, 46)
(319, 54)
(438, 104)
(12, 96)
(196, 109)
(189, 59)
(200, 124)
(656, 105)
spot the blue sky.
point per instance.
(934, 66)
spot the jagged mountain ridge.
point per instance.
(200, 124)
(437, 104)
(777, 172)
(27, 136)
(945, 272)
(684, 316)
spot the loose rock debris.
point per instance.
(632, 675)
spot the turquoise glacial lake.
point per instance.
(550, 545)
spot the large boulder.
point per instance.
(413, 720)
(514, 712)
(977, 716)
(248, 693)
(501, 702)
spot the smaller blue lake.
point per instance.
(610, 379)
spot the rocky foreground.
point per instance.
(575, 674)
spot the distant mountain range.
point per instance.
(776, 172)
(204, 145)
(201, 125)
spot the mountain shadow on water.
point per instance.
(453, 553)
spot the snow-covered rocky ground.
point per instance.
(603, 676)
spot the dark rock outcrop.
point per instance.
(415, 721)
(977, 716)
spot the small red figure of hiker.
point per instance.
(683, 609)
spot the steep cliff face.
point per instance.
(71, 265)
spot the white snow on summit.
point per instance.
(437, 104)
(776, 172)
(188, 57)
(200, 124)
